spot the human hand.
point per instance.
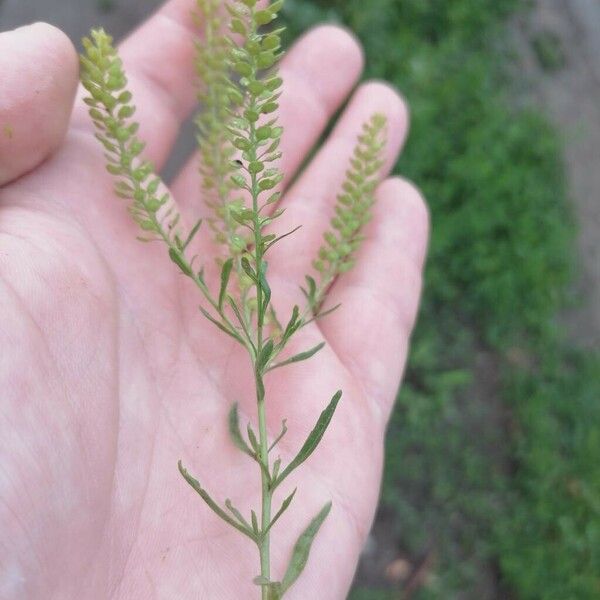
(109, 375)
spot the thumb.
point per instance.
(38, 79)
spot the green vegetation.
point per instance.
(107, 5)
(492, 450)
(549, 50)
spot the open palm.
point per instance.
(109, 374)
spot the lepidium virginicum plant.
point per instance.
(238, 50)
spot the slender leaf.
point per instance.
(299, 357)
(265, 288)
(302, 549)
(292, 325)
(311, 290)
(280, 436)
(248, 269)
(225, 274)
(195, 484)
(222, 327)
(237, 514)
(241, 321)
(192, 234)
(235, 433)
(284, 506)
(255, 527)
(281, 237)
(253, 441)
(276, 467)
(315, 436)
(178, 259)
(264, 356)
(327, 312)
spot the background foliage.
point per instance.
(491, 478)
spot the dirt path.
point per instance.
(570, 96)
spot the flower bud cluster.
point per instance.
(353, 208)
(110, 105)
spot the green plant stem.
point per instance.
(265, 546)
(265, 539)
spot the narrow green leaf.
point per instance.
(313, 439)
(195, 484)
(327, 312)
(284, 506)
(237, 514)
(225, 274)
(299, 357)
(322, 314)
(253, 440)
(178, 259)
(302, 549)
(222, 327)
(283, 236)
(292, 325)
(248, 269)
(241, 321)
(276, 467)
(254, 518)
(265, 287)
(311, 291)
(192, 234)
(264, 356)
(280, 436)
(236, 434)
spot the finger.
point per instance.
(158, 59)
(310, 202)
(38, 67)
(380, 296)
(318, 72)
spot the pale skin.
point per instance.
(108, 372)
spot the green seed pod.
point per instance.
(274, 84)
(243, 68)
(263, 133)
(239, 180)
(264, 17)
(267, 184)
(270, 107)
(271, 42)
(256, 167)
(241, 143)
(265, 60)
(256, 88)
(238, 27)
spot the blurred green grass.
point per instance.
(492, 450)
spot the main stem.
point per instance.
(264, 543)
(265, 546)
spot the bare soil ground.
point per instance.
(569, 94)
